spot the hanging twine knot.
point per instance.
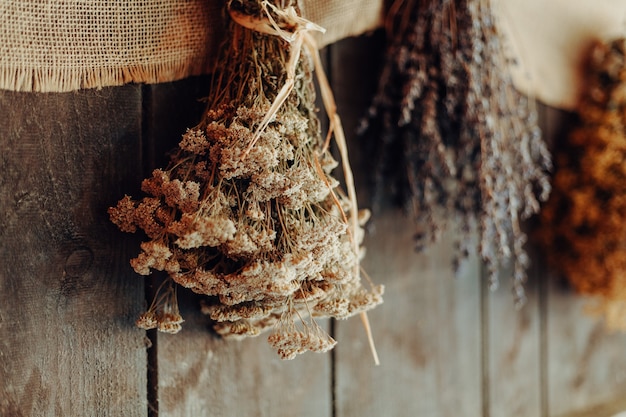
(288, 25)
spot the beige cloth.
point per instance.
(64, 45)
(549, 39)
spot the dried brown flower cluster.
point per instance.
(584, 222)
(264, 229)
(455, 139)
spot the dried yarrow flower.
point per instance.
(289, 340)
(163, 314)
(247, 212)
(454, 139)
(583, 225)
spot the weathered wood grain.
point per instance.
(514, 339)
(427, 333)
(512, 350)
(68, 299)
(614, 408)
(586, 363)
(428, 330)
(203, 375)
(200, 374)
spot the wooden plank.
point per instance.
(168, 110)
(514, 345)
(68, 298)
(614, 408)
(586, 363)
(427, 333)
(513, 350)
(200, 374)
(428, 330)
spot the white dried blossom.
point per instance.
(252, 219)
(195, 231)
(195, 141)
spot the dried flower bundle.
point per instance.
(454, 137)
(247, 211)
(584, 221)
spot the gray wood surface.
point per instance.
(68, 299)
(512, 349)
(201, 375)
(427, 333)
(428, 330)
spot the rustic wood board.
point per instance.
(203, 375)
(512, 350)
(68, 298)
(428, 330)
(586, 363)
(427, 333)
(515, 339)
(200, 374)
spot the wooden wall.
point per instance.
(68, 298)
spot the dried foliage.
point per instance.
(454, 138)
(264, 230)
(584, 222)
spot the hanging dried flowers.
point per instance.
(247, 211)
(584, 223)
(454, 138)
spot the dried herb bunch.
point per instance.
(247, 211)
(584, 222)
(453, 136)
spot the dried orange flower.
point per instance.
(584, 223)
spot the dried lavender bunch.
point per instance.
(251, 216)
(584, 222)
(456, 140)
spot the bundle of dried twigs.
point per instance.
(452, 135)
(584, 222)
(247, 212)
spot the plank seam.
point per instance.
(544, 120)
(328, 67)
(484, 336)
(147, 165)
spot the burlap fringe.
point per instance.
(20, 78)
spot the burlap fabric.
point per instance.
(64, 45)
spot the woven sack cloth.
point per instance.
(64, 45)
